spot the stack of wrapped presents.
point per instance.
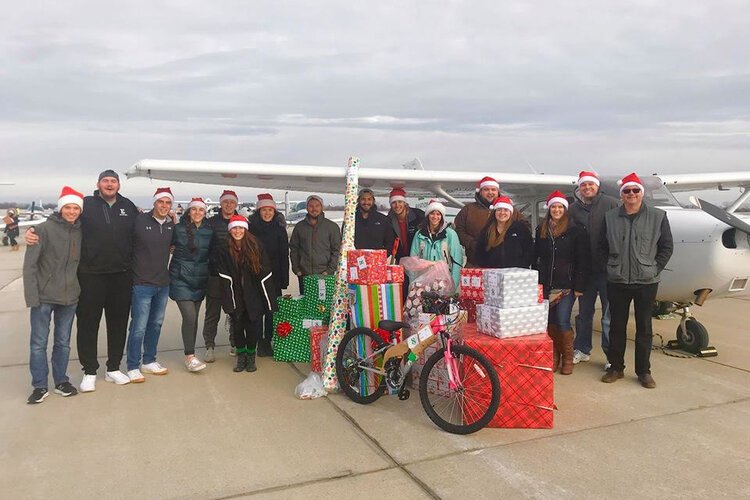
(510, 330)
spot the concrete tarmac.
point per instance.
(217, 434)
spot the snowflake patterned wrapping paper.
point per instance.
(366, 267)
(319, 292)
(503, 322)
(510, 287)
(371, 303)
(471, 285)
(291, 330)
(524, 367)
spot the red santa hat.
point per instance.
(588, 176)
(630, 180)
(237, 221)
(502, 202)
(69, 195)
(397, 194)
(433, 206)
(556, 197)
(228, 194)
(265, 200)
(487, 182)
(163, 193)
(197, 202)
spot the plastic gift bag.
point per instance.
(311, 387)
(424, 276)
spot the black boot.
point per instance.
(251, 363)
(264, 348)
(241, 362)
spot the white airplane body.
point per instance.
(711, 247)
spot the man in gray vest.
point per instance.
(636, 245)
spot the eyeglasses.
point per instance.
(632, 190)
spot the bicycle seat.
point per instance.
(391, 326)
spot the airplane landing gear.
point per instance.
(692, 336)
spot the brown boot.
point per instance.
(566, 352)
(554, 334)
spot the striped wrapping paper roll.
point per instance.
(368, 304)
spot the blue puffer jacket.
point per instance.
(188, 271)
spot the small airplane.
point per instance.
(33, 214)
(711, 257)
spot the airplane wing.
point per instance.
(27, 223)
(449, 184)
(712, 180)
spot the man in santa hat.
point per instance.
(587, 210)
(219, 222)
(636, 245)
(50, 284)
(152, 238)
(473, 216)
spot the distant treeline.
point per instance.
(24, 205)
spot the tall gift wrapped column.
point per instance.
(340, 308)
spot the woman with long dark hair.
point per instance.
(505, 241)
(562, 259)
(248, 291)
(188, 274)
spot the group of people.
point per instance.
(98, 254)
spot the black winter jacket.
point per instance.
(590, 216)
(275, 241)
(374, 233)
(414, 219)
(516, 250)
(562, 262)
(151, 244)
(107, 235)
(243, 291)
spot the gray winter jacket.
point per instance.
(636, 247)
(50, 269)
(315, 249)
(591, 217)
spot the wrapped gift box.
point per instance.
(524, 367)
(471, 285)
(291, 330)
(394, 274)
(470, 306)
(366, 267)
(510, 287)
(453, 322)
(438, 382)
(540, 293)
(319, 296)
(318, 346)
(368, 304)
(503, 322)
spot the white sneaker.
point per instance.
(607, 366)
(136, 376)
(117, 377)
(580, 357)
(154, 368)
(194, 364)
(88, 384)
(233, 351)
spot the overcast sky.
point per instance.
(651, 86)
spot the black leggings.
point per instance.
(247, 331)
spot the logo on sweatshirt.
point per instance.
(123, 213)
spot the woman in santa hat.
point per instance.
(248, 289)
(436, 241)
(562, 259)
(188, 274)
(269, 226)
(504, 241)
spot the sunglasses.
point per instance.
(631, 190)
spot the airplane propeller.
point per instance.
(720, 214)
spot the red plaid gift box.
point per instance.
(394, 274)
(471, 285)
(524, 366)
(318, 346)
(366, 267)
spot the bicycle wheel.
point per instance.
(359, 365)
(472, 404)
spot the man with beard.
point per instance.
(372, 230)
(473, 216)
(315, 243)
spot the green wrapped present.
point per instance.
(291, 330)
(319, 296)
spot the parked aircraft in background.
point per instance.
(712, 246)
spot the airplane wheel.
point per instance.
(695, 337)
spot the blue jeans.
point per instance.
(559, 314)
(147, 315)
(585, 317)
(41, 316)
